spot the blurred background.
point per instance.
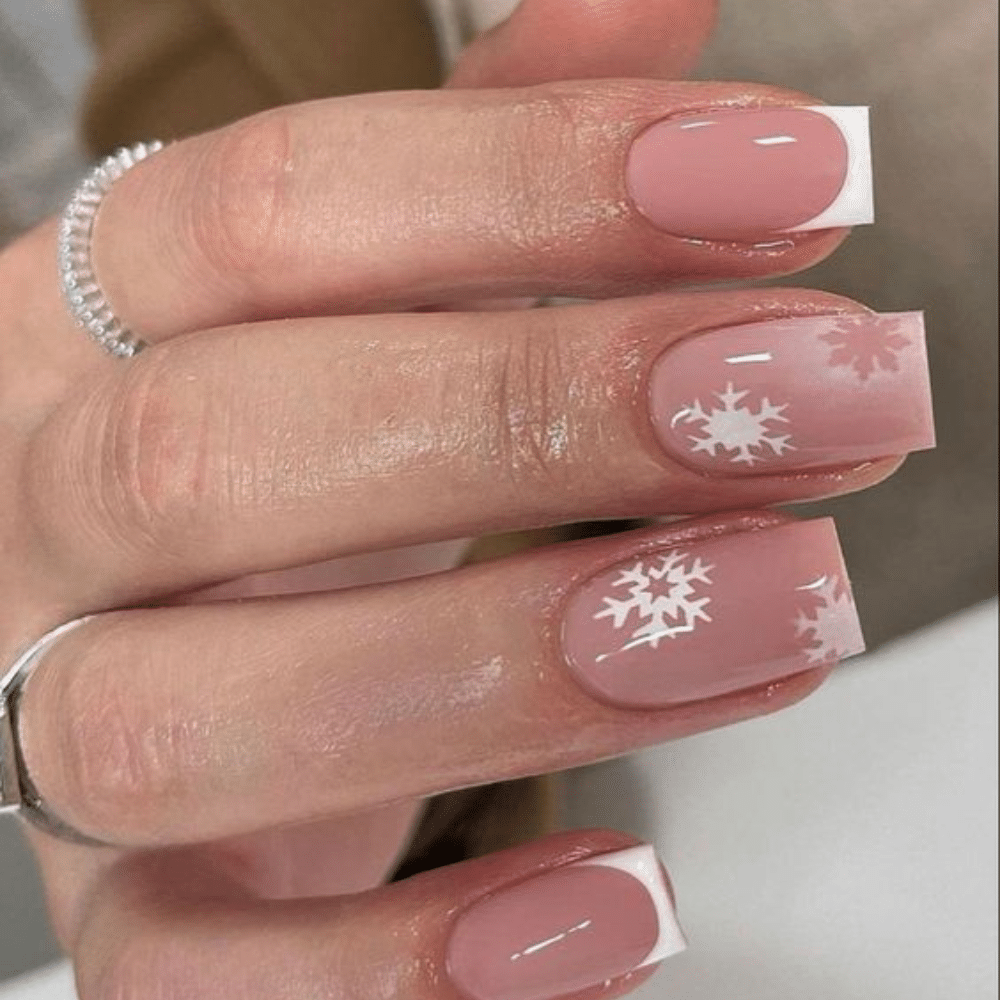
(43, 63)
(922, 546)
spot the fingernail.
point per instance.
(743, 174)
(567, 930)
(713, 617)
(795, 394)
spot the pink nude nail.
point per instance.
(567, 930)
(794, 394)
(745, 174)
(713, 617)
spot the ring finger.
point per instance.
(193, 723)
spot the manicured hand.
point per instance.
(259, 761)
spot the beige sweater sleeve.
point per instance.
(176, 67)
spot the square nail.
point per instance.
(793, 394)
(744, 174)
(567, 930)
(714, 617)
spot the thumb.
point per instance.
(547, 40)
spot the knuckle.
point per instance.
(120, 763)
(554, 175)
(528, 409)
(150, 465)
(154, 458)
(119, 467)
(235, 219)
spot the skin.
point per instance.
(143, 483)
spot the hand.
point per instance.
(288, 412)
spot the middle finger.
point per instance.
(259, 448)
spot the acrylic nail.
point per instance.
(567, 930)
(793, 394)
(743, 174)
(713, 617)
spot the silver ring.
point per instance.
(87, 302)
(17, 791)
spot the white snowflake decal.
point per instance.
(865, 346)
(828, 628)
(661, 595)
(739, 430)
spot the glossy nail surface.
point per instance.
(714, 617)
(745, 174)
(795, 394)
(567, 930)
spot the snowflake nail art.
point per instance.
(866, 347)
(740, 431)
(789, 395)
(828, 630)
(713, 615)
(662, 597)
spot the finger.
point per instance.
(348, 206)
(580, 916)
(261, 448)
(188, 724)
(328, 857)
(546, 40)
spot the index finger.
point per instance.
(390, 201)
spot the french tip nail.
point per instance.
(750, 174)
(854, 205)
(565, 930)
(643, 864)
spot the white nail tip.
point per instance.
(855, 205)
(643, 864)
